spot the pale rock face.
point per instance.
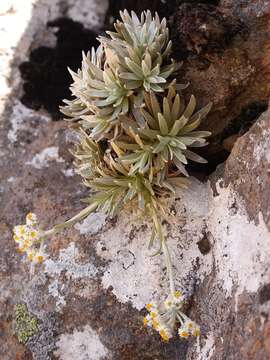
(92, 224)
(42, 159)
(67, 263)
(197, 210)
(136, 276)
(17, 121)
(81, 345)
(89, 294)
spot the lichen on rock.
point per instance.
(25, 324)
(218, 232)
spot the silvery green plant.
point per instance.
(136, 138)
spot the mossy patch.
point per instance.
(25, 324)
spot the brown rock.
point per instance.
(226, 53)
(217, 256)
(248, 168)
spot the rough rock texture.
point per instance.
(88, 297)
(225, 48)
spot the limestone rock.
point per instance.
(88, 297)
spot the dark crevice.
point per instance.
(204, 244)
(264, 294)
(222, 144)
(163, 8)
(245, 120)
(45, 75)
(215, 158)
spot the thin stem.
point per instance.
(81, 215)
(168, 265)
(166, 252)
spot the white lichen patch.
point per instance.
(132, 273)
(42, 159)
(20, 119)
(11, 179)
(136, 276)
(239, 249)
(205, 348)
(91, 224)
(262, 145)
(68, 172)
(54, 289)
(242, 249)
(81, 345)
(90, 13)
(68, 262)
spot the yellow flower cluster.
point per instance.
(154, 320)
(164, 317)
(28, 238)
(189, 328)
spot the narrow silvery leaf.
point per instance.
(179, 155)
(162, 124)
(145, 69)
(176, 107)
(150, 120)
(180, 166)
(134, 67)
(156, 79)
(154, 104)
(202, 112)
(199, 134)
(190, 107)
(190, 126)
(156, 88)
(194, 157)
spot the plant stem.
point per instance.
(165, 249)
(168, 265)
(81, 215)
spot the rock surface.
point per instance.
(225, 48)
(88, 298)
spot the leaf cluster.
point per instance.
(136, 132)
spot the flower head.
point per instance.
(188, 328)
(31, 219)
(29, 237)
(165, 317)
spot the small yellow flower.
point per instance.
(189, 324)
(26, 244)
(30, 255)
(149, 306)
(33, 234)
(183, 333)
(153, 314)
(155, 324)
(31, 218)
(16, 238)
(177, 294)
(39, 258)
(145, 321)
(163, 334)
(21, 230)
